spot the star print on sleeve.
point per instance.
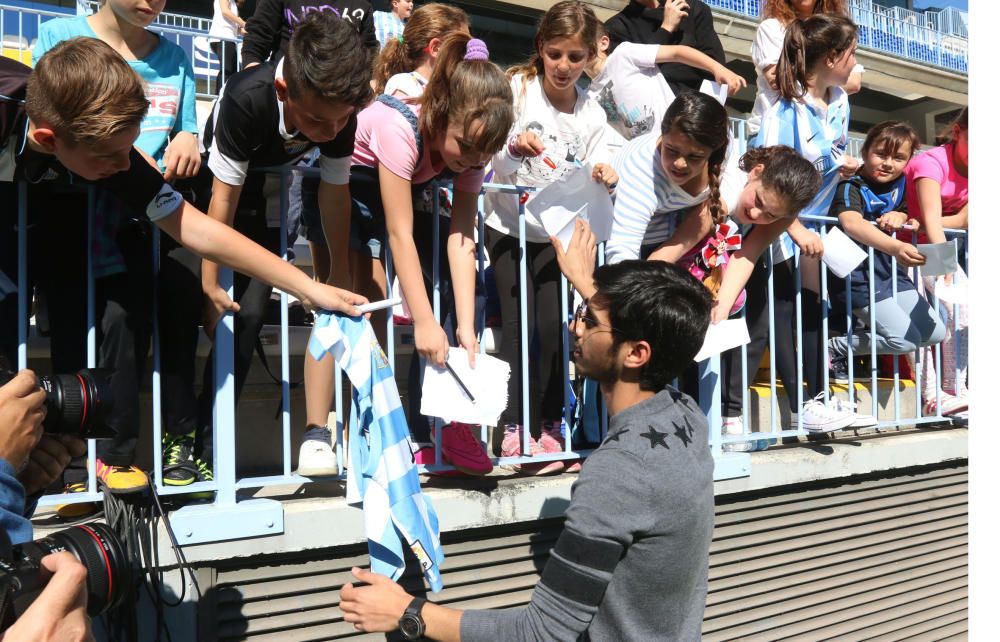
(618, 435)
(681, 432)
(655, 438)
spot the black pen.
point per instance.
(460, 382)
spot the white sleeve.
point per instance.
(767, 44)
(635, 201)
(597, 142)
(227, 170)
(335, 171)
(638, 55)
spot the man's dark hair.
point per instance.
(327, 58)
(658, 303)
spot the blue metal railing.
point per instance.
(937, 38)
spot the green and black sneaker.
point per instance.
(179, 467)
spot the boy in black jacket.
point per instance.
(670, 22)
(270, 28)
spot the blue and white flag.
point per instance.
(381, 477)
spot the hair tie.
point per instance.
(400, 38)
(476, 50)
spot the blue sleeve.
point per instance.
(12, 519)
(188, 121)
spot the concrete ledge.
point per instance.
(317, 516)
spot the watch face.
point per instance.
(410, 626)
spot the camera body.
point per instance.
(77, 404)
(96, 546)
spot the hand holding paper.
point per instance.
(723, 336)
(574, 195)
(458, 392)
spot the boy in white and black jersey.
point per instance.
(269, 115)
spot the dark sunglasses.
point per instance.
(583, 314)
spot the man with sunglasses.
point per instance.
(632, 560)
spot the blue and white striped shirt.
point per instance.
(387, 27)
(647, 204)
(820, 138)
(381, 478)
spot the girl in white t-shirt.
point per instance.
(226, 23)
(628, 85)
(557, 129)
(405, 64)
(767, 43)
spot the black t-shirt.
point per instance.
(247, 131)
(270, 28)
(872, 201)
(141, 187)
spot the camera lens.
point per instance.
(78, 404)
(97, 547)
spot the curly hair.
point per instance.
(326, 58)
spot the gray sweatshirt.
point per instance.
(632, 560)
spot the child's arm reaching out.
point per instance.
(694, 58)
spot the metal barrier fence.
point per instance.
(200, 523)
(938, 38)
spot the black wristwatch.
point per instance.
(411, 624)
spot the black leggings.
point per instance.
(545, 371)
(784, 339)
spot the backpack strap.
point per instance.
(404, 109)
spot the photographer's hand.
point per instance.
(22, 409)
(47, 461)
(59, 613)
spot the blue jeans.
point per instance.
(902, 325)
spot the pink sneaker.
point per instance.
(552, 441)
(425, 456)
(461, 449)
(511, 447)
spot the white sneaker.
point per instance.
(733, 427)
(860, 421)
(317, 459)
(821, 415)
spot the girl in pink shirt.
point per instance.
(937, 192)
(451, 131)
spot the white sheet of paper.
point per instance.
(443, 397)
(942, 258)
(715, 90)
(841, 254)
(575, 195)
(722, 336)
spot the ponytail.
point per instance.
(404, 54)
(467, 88)
(786, 173)
(810, 42)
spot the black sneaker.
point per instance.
(179, 467)
(838, 369)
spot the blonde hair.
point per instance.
(400, 55)
(563, 20)
(85, 92)
(466, 91)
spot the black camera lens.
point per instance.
(78, 404)
(96, 546)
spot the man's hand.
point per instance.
(673, 12)
(48, 460)
(577, 261)
(22, 409)
(891, 221)
(527, 144)
(181, 157)
(376, 607)
(909, 256)
(59, 613)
